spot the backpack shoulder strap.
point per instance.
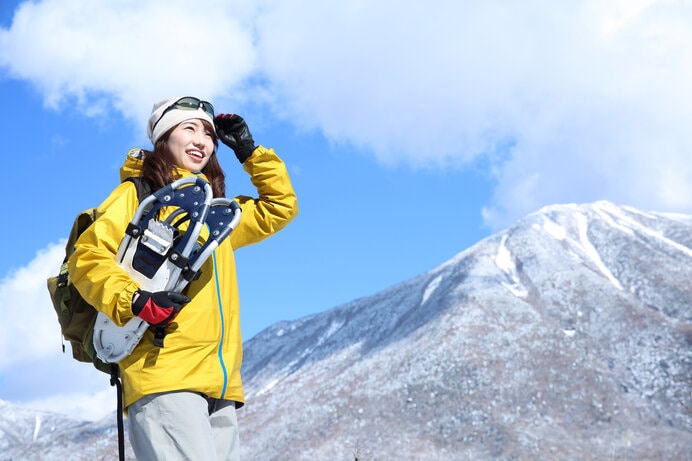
(143, 187)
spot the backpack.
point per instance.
(75, 315)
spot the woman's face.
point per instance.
(191, 145)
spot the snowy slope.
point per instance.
(30, 435)
(566, 336)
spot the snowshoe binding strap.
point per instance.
(223, 217)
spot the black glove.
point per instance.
(159, 308)
(233, 131)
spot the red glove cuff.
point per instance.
(156, 315)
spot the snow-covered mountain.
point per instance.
(30, 435)
(566, 336)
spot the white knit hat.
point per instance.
(159, 124)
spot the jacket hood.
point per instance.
(133, 164)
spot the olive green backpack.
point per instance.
(75, 315)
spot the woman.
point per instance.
(181, 398)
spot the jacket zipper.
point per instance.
(223, 328)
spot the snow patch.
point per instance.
(431, 288)
(37, 427)
(333, 328)
(268, 387)
(552, 228)
(591, 251)
(505, 262)
(630, 225)
(683, 218)
(607, 216)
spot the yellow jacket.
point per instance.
(203, 346)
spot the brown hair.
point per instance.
(157, 169)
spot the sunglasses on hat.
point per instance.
(188, 103)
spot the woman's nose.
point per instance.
(198, 138)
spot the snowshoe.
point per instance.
(165, 255)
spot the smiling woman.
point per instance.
(191, 144)
(183, 134)
(195, 376)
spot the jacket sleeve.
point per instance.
(277, 204)
(92, 267)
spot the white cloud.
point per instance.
(126, 54)
(575, 101)
(591, 97)
(33, 368)
(29, 328)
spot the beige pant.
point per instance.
(178, 426)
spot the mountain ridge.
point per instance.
(565, 336)
(556, 284)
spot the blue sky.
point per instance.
(411, 132)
